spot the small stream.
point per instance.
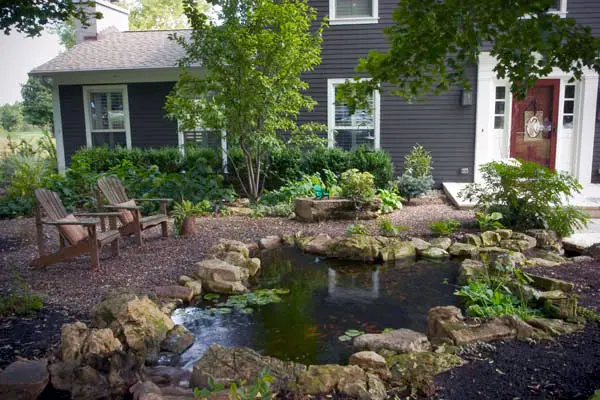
(327, 297)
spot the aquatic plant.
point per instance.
(245, 302)
(350, 334)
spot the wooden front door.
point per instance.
(534, 122)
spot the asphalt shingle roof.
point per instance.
(119, 51)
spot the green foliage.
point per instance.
(11, 117)
(489, 222)
(387, 228)
(489, 300)
(65, 30)
(284, 209)
(31, 18)
(254, 53)
(357, 186)
(527, 41)
(350, 334)
(356, 229)
(245, 302)
(160, 15)
(390, 200)
(444, 227)
(37, 102)
(528, 196)
(259, 389)
(20, 302)
(416, 178)
(186, 209)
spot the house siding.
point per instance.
(596, 159)
(440, 124)
(149, 125)
(73, 119)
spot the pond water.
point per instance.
(326, 298)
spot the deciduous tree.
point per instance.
(433, 42)
(37, 102)
(250, 86)
(161, 14)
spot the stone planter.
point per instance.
(188, 226)
(310, 210)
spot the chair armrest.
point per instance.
(123, 207)
(98, 214)
(86, 222)
(167, 200)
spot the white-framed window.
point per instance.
(568, 107)
(343, 12)
(500, 108)
(203, 137)
(106, 110)
(559, 8)
(346, 130)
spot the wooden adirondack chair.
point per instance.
(130, 216)
(77, 236)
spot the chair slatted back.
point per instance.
(51, 204)
(112, 189)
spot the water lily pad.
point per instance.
(247, 310)
(221, 310)
(344, 338)
(388, 330)
(211, 296)
(281, 291)
(353, 333)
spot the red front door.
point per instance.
(534, 122)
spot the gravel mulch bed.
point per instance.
(75, 286)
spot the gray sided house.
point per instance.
(111, 87)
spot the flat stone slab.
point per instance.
(310, 210)
(23, 380)
(399, 341)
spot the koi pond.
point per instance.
(319, 304)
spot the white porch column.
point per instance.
(58, 133)
(584, 148)
(485, 90)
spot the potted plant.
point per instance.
(185, 214)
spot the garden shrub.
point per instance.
(416, 177)
(528, 196)
(489, 222)
(445, 227)
(357, 186)
(387, 228)
(390, 200)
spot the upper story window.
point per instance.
(342, 12)
(559, 8)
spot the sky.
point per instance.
(20, 54)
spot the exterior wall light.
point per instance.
(467, 98)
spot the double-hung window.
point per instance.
(107, 116)
(559, 8)
(350, 130)
(353, 12)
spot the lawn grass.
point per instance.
(30, 135)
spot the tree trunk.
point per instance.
(188, 226)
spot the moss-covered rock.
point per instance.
(490, 238)
(443, 243)
(358, 247)
(473, 239)
(348, 380)
(463, 250)
(435, 253)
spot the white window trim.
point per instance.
(86, 111)
(562, 12)
(181, 145)
(331, 83)
(333, 20)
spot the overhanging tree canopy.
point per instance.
(434, 41)
(31, 16)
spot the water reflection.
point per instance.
(326, 298)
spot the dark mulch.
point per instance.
(31, 337)
(567, 368)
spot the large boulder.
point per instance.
(320, 245)
(111, 304)
(504, 233)
(178, 340)
(473, 239)
(24, 380)
(547, 284)
(357, 247)
(546, 239)
(227, 365)
(417, 370)
(507, 327)
(270, 242)
(463, 250)
(469, 269)
(443, 243)
(497, 256)
(394, 249)
(420, 244)
(236, 253)
(221, 277)
(549, 255)
(371, 362)
(175, 292)
(349, 380)
(143, 326)
(78, 343)
(399, 341)
(434, 253)
(441, 321)
(490, 238)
